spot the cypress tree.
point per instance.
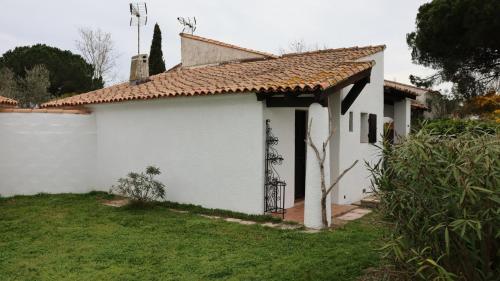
(156, 62)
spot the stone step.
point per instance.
(371, 202)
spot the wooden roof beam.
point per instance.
(353, 94)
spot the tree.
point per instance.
(8, 84)
(156, 61)
(30, 91)
(300, 46)
(486, 106)
(457, 38)
(98, 49)
(321, 157)
(69, 73)
(442, 106)
(33, 88)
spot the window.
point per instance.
(368, 128)
(350, 121)
(363, 128)
(372, 128)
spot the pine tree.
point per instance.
(156, 62)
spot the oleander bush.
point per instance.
(442, 194)
(141, 187)
(453, 127)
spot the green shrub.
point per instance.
(443, 195)
(453, 127)
(141, 187)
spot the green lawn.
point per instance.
(74, 237)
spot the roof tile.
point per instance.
(293, 72)
(409, 89)
(7, 101)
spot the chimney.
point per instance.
(139, 69)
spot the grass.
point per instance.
(75, 237)
(196, 209)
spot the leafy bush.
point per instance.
(141, 187)
(443, 195)
(453, 127)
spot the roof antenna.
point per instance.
(188, 24)
(138, 17)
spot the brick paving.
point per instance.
(354, 214)
(342, 213)
(296, 213)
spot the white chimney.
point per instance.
(139, 69)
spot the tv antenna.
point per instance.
(138, 17)
(188, 24)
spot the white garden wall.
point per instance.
(210, 149)
(47, 152)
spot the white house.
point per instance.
(205, 123)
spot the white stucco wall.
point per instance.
(319, 119)
(283, 126)
(346, 146)
(196, 52)
(402, 118)
(210, 149)
(46, 152)
(389, 111)
(426, 99)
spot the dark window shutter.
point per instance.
(372, 128)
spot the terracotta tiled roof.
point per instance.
(409, 89)
(417, 105)
(215, 42)
(45, 110)
(299, 72)
(7, 101)
(351, 53)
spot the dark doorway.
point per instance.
(300, 153)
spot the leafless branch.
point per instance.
(320, 157)
(98, 49)
(341, 176)
(300, 46)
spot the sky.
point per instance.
(265, 25)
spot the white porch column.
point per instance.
(318, 118)
(402, 115)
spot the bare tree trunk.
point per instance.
(321, 156)
(324, 217)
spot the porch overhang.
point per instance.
(306, 98)
(392, 95)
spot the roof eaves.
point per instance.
(7, 101)
(378, 48)
(387, 83)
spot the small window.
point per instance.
(372, 128)
(363, 128)
(351, 121)
(368, 128)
